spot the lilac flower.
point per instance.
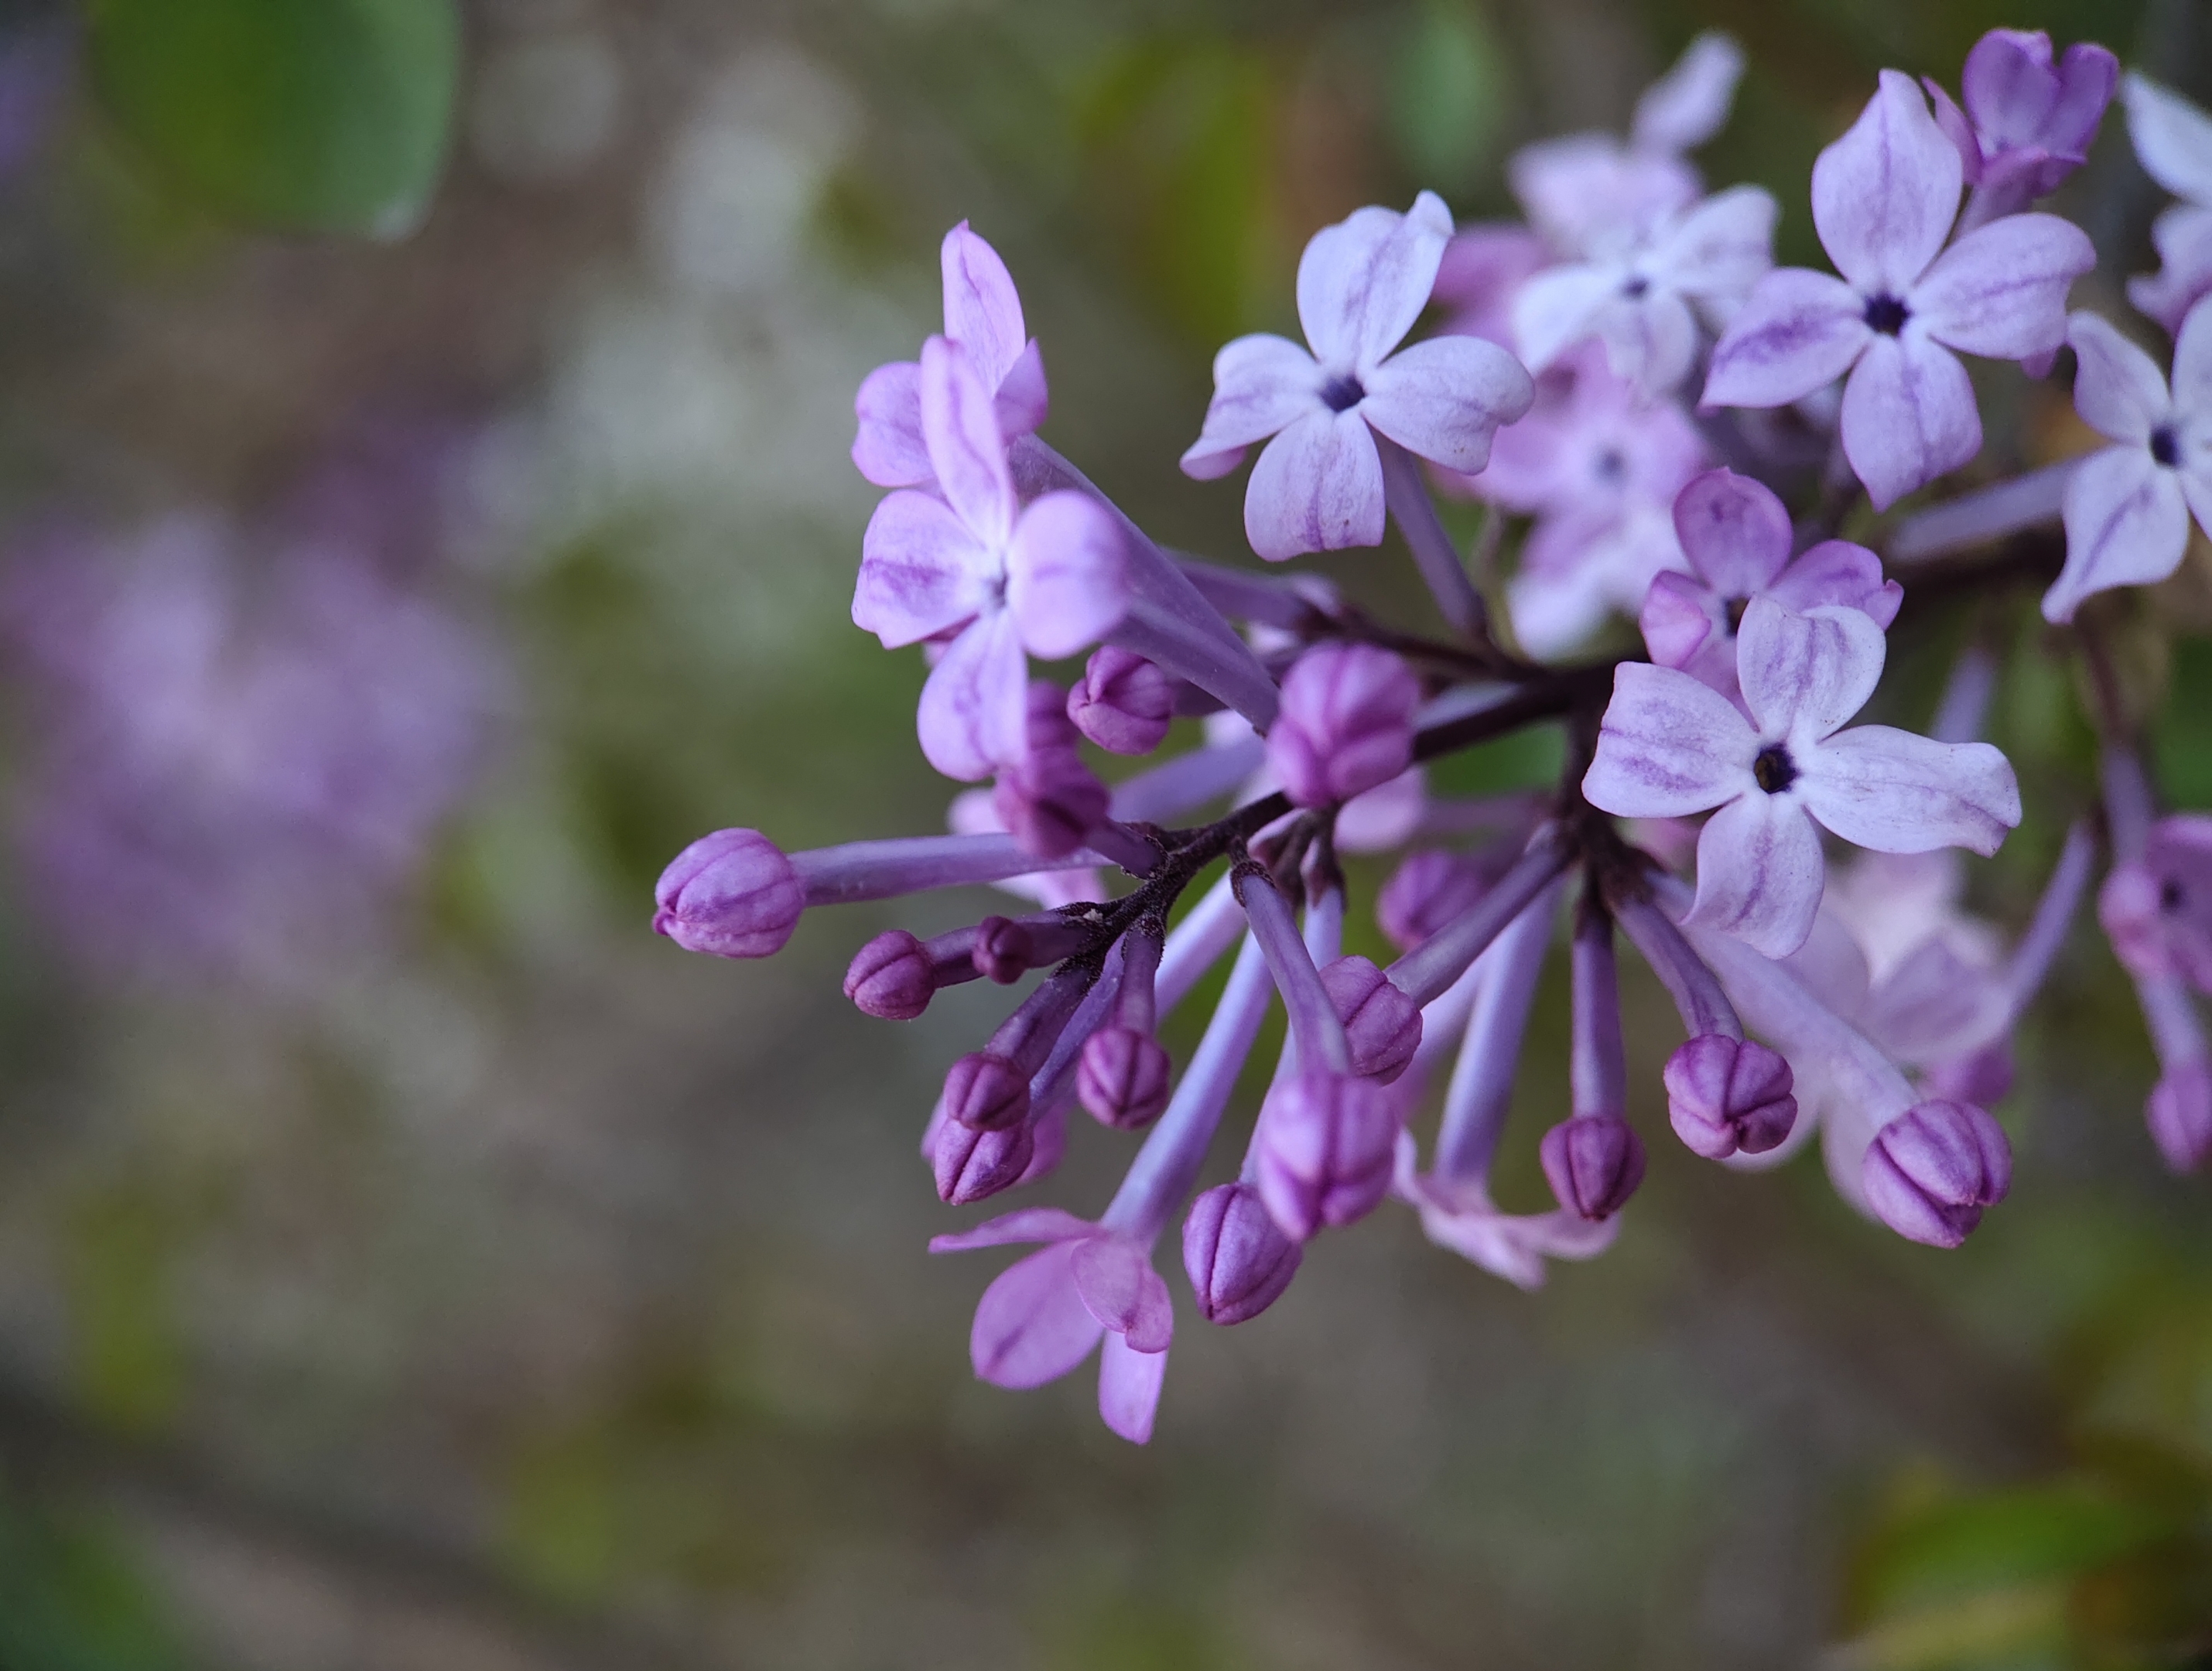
(1737, 538)
(975, 812)
(1001, 577)
(1122, 702)
(2128, 507)
(2174, 142)
(1045, 795)
(1429, 889)
(1884, 199)
(731, 893)
(2157, 907)
(983, 314)
(1929, 1173)
(1670, 746)
(1239, 1263)
(1482, 268)
(1346, 724)
(1318, 485)
(2027, 123)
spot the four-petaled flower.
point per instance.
(1669, 746)
(1318, 484)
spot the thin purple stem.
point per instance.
(1689, 980)
(1985, 514)
(1295, 602)
(1426, 971)
(1313, 1018)
(1597, 1062)
(1406, 491)
(2054, 914)
(1175, 787)
(860, 871)
(1966, 694)
(1196, 943)
(2129, 809)
(1481, 1088)
(1139, 952)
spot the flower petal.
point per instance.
(1760, 872)
(2183, 238)
(1734, 531)
(1805, 675)
(1444, 399)
(1558, 308)
(1799, 331)
(2000, 290)
(1065, 580)
(888, 448)
(1838, 572)
(982, 309)
(1909, 416)
(1023, 402)
(1668, 746)
(2172, 139)
(966, 451)
(1028, 1224)
(974, 711)
(1318, 487)
(1651, 343)
(2127, 523)
(1884, 196)
(1879, 788)
(1679, 616)
(1956, 129)
(2192, 364)
(1723, 248)
(1129, 1383)
(1261, 385)
(1031, 1326)
(1689, 104)
(2117, 389)
(922, 570)
(1118, 1284)
(1363, 282)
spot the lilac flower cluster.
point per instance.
(1855, 1001)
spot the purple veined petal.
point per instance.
(922, 571)
(1690, 103)
(2000, 290)
(1129, 1382)
(1798, 331)
(966, 451)
(1318, 487)
(1889, 790)
(2008, 84)
(1936, 1005)
(1117, 1282)
(1363, 282)
(888, 447)
(2087, 76)
(982, 309)
(1734, 531)
(2172, 139)
(1957, 129)
(1028, 1224)
(2127, 523)
(1838, 572)
(1023, 401)
(2117, 389)
(1650, 343)
(1031, 1326)
(1558, 308)
(1909, 416)
(1668, 746)
(974, 710)
(1884, 196)
(1677, 619)
(2192, 362)
(1804, 675)
(1262, 386)
(1759, 873)
(1723, 247)
(1067, 583)
(1442, 400)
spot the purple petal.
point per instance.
(1734, 531)
(1444, 399)
(1031, 1326)
(1667, 747)
(966, 450)
(1129, 1383)
(1363, 282)
(1118, 1284)
(922, 571)
(1023, 402)
(2183, 237)
(1558, 308)
(1065, 584)
(1681, 613)
(1956, 129)
(1482, 268)
(1261, 385)
(1884, 196)
(2127, 523)
(1689, 104)
(2009, 85)
(1886, 789)
(1651, 343)
(983, 310)
(2117, 389)
(2172, 140)
(1760, 872)
(1909, 416)
(2087, 76)
(1028, 1224)
(975, 708)
(1799, 331)
(1838, 572)
(1318, 487)
(1805, 675)
(2000, 290)
(2192, 362)
(888, 447)
(1724, 245)
(1586, 191)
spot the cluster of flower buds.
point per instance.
(1858, 1003)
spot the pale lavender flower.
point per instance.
(1482, 268)
(2156, 908)
(2128, 507)
(2174, 142)
(1318, 485)
(1885, 197)
(1670, 746)
(1346, 723)
(2027, 122)
(1047, 578)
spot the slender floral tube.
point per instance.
(2129, 807)
(859, 871)
(1406, 492)
(1196, 943)
(1988, 513)
(1966, 695)
(2054, 915)
(1004, 949)
(1124, 1074)
(1293, 602)
(1426, 971)
(1314, 1021)
(989, 1089)
(1176, 786)
(1594, 1161)
(1690, 982)
(1054, 1084)
(1481, 1087)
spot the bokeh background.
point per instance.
(422, 460)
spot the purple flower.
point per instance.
(1482, 268)
(1929, 1173)
(983, 314)
(1045, 794)
(2027, 123)
(2157, 908)
(1726, 1096)
(1884, 199)
(1457, 1213)
(731, 893)
(2174, 142)
(1346, 724)
(1429, 888)
(2179, 1114)
(1239, 1263)
(1122, 702)
(1670, 746)
(1737, 538)
(2128, 507)
(1382, 1025)
(1318, 485)
(1325, 1147)
(999, 577)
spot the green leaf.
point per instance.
(309, 115)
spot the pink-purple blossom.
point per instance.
(2028, 121)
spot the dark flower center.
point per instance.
(1611, 465)
(2171, 896)
(2165, 446)
(1734, 608)
(1635, 286)
(1341, 394)
(1886, 314)
(1774, 771)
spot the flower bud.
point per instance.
(1382, 1025)
(1725, 1094)
(1326, 1144)
(972, 1165)
(1238, 1262)
(1593, 1163)
(1931, 1171)
(890, 977)
(1005, 950)
(1049, 799)
(986, 1091)
(1431, 888)
(731, 893)
(1122, 702)
(1123, 1077)
(1345, 725)
(2180, 1115)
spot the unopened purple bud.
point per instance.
(2180, 1115)
(1931, 1171)
(1431, 888)
(1238, 1262)
(1346, 723)
(1725, 1095)
(972, 1165)
(1049, 799)
(890, 977)
(1326, 1142)
(1382, 1025)
(731, 893)
(986, 1091)
(1123, 1077)
(1593, 1163)
(1122, 702)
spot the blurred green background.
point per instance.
(525, 1293)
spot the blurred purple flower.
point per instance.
(2027, 123)
(2174, 142)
